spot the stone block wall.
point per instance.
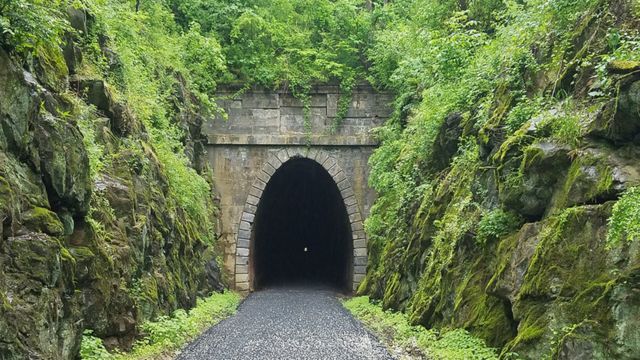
(262, 124)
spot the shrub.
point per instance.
(495, 224)
(624, 223)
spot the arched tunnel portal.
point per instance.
(301, 231)
(301, 225)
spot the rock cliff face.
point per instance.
(511, 237)
(81, 250)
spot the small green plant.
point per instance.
(92, 348)
(167, 334)
(623, 48)
(344, 101)
(624, 223)
(521, 113)
(395, 330)
(495, 224)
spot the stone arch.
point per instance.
(243, 271)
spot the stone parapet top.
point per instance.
(317, 88)
(292, 140)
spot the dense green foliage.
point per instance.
(441, 58)
(287, 44)
(396, 331)
(21, 24)
(168, 334)
(152, 51)
(283, 43)
(154, 55)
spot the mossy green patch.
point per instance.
(623, 66)
(560, 254)
(532, 327)
(5, 305)
(52, 67)
(589, 178)
(43, 220)
(483, 316)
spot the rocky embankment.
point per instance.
(512, 236)
(81, 250)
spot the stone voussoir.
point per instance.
(360, 260)
(269, 168)
(250, 208)
(243, 243)
(360, 269)
(254, 191)
(360, 252)
(263, 176)
(244, 235)
(242, 260)
(243, 252)
(253, 200)
(248, 217)
(360, 243)
(242, 269)
(245, 225)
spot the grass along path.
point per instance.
(405, 341)
(168, 335)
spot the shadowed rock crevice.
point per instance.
(302, 232)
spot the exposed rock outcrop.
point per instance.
(551, 284)
(79, 250)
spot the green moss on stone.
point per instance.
(481, 314)
(52, 67)
(623, 66)
(587, 179)
(4, 302)
(43, 220)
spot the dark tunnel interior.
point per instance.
(301, 232)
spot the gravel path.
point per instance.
(287, 323)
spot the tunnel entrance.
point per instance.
(301, 233)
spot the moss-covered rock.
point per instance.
(64, 163)
(17, 107)
(619, 119)
(43, 220)
(103, 248)
(51, 67)
(97, 93)
(40, 302)
(528, 188)
(559, 147)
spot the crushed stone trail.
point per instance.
(288, 323)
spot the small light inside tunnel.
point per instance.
(305, 249)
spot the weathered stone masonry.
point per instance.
(265, 129)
